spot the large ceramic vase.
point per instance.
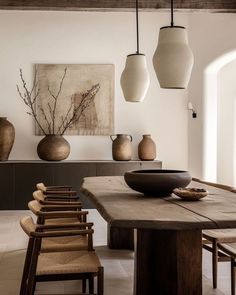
(53, 148)
(121, 147)
(147, 148)
(7, 137)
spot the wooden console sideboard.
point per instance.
(18, 178)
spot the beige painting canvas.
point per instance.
(97, 117)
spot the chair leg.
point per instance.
(31, 286)
(233, 276)
(84, 283)
(214, 262)
(100, 281)
(91, 284)
(26, 267)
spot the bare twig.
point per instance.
(65, 118)
(46, 119)
(56, 99)
(73, 113)
(29, 99)
(85, 102)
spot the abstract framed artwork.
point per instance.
(98, 117)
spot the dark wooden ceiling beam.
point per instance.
(114, 5)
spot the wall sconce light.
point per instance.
(190, 108)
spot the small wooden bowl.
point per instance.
(190, 194)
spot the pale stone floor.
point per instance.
(118, 264)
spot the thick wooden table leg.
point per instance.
(120, 238)
(168, 262)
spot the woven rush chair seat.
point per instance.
(67, 262)
(61, 221)
(213, 237)
(59, 265)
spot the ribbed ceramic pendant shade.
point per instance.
(135, 78)
(173, 59)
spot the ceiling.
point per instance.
(119, 5)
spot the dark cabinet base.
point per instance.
(18, 178)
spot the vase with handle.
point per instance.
(121, 147)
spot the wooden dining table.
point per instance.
(168, 231)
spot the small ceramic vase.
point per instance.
(147, 148)
(121, 147)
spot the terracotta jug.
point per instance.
(121, 147)
(7, 137)
(147, 148)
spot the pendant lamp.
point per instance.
(135, 77)
(173, 59)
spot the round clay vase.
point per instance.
(53, 148)
(7, 137)
(121, 147)
(147, 148)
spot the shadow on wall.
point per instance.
(214, 123)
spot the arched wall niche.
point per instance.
(219, 120)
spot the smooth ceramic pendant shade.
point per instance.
(173, 59)
(135, 78)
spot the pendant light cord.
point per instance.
(172, 13)
(137, 27)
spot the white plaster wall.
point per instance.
(210, 37)
(226, 130)
(89, 37)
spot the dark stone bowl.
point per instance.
(157, 182)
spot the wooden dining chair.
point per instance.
(58, 192)
(41, 265)
(61, 216)
(212, 237)
(54, 214)
(230, 250)
(53, 200)
(41, 186)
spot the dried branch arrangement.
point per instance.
(72, 115)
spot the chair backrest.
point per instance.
(54, 211)
(35, 207)
(62, 230)
(218, 185)
(39, 196)
(41, 186)
(28, 225)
